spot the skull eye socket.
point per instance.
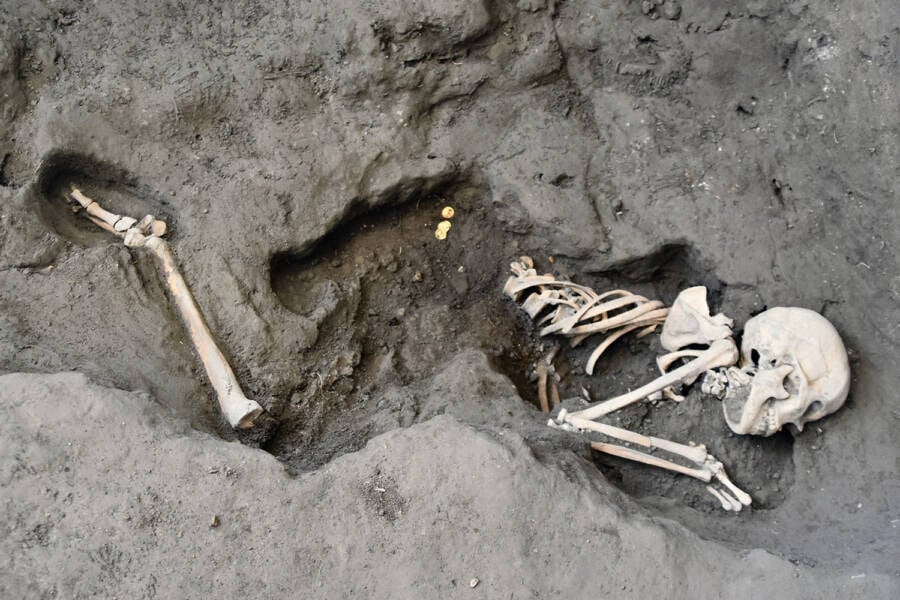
(754, 357)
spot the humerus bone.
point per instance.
(239, 410)
(720, 353)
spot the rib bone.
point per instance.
(239, 410)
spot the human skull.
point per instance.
(794, 370)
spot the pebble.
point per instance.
(474, 582)
(214, 521)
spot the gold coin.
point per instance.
(448, 212)
(444, 226)
(440, 234)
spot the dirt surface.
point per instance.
(301, 157)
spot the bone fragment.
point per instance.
(689, 322)
(239, 410)
(725, 502)
(158, 228)
(591, 310)
(599, 350)
(554, 393)
(542, 386)
(94, 209)
(718, 471)
(720, 353)
(735, 504)
(124, 223)
(616, 321)
(104, 225)
(665, 361)
(578, 311)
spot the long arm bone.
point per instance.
(239, 410)
(720, 353)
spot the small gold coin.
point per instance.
(440, 234)
(448, 212)
(444, 226)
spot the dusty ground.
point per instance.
(301, 156)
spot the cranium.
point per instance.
(794, 370)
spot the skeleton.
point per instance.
(239, 410)
(793, 366)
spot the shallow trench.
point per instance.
(392, 303)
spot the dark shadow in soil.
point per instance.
(392, 302)
(83, 328)
(112, 187)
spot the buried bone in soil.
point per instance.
(793, 366)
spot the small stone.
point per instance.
(671, 10)
(214, 521)
(418, 276)
(474, 582)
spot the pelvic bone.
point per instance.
(239, 410)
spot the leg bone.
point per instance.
(239, 410)
(649, 459)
